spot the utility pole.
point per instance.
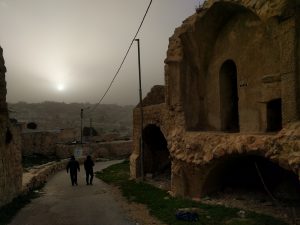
(81, 118)
(141, 111)
(91, 133)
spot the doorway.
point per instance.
(229, 97)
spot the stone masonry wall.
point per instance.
(59, 144)
(155, 96)
(10, 154)
(114, 150)
(190, 119)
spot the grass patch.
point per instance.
(164, 207)
(8, 211)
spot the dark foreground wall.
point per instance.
(10, 154)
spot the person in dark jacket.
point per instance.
(88, 166)
(73, 166)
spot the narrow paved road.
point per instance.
(63, 204)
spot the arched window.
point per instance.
(229, 97)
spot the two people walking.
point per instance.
(73, 167)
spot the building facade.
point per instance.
(231, 98)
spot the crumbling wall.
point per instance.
(155, 96)
(10, 148)
(263, 8)
(43, 143)
(256, 41)
(110, 150)
(259, 37)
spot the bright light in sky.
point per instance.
(60, 87)
(51, 45)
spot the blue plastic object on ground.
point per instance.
(187, 216)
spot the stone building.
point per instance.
(10, 153)
(231, 100)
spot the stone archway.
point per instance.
(229, 97)
(156, 153)
(251, 174)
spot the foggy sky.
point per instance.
(80, 43)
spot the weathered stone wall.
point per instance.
(37, 176)
(10, 154)
(43, 143)
(152, 115)
(263, 8)
(260, 39)
(58, 143)
(231, 31)
(155, 96)
(115, 149)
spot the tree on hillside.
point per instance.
(31, 125)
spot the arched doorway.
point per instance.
(229, 97)
(156, 153)
(274, 116)
(251, 175)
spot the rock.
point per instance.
(241, 214)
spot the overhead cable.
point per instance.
(91, 109)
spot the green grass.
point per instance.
(8, 211)
(163, 206)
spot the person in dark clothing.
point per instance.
(73, 166)
(88, 166)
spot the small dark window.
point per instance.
(274, 117)
(229, 97)
(31, 126)
(8, 136)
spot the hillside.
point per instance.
(53, 115)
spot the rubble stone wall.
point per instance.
(10, 148)
(37, 176)
(230, 31)
(258, 37)
(111, 150)
(59, 144)
(155, 96)
(43, 143)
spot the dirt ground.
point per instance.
(256, 202)
(136, 212)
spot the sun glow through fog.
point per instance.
(60, 87)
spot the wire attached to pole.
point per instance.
(124, 58)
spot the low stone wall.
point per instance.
(115, 149)
(44, 142)
(39, 143)
(38, 175)
(50, 144)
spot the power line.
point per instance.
(124, 58)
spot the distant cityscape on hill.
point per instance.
(106, 118)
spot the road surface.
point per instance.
(64, 204)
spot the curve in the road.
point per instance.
(63, 204)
